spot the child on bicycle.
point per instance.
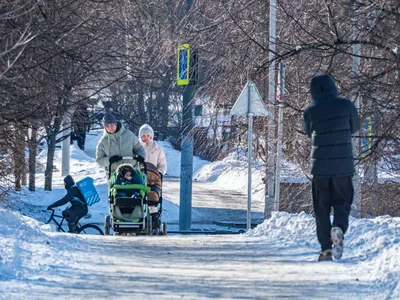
(78, 207)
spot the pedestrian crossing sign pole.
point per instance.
(183, 64)
(249, 104)
(185, 76)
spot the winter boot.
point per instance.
(71, 228)
(337, 241)
(155, 224)
(325, 255)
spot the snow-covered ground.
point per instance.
(275, 260)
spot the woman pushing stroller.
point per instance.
(117, 142)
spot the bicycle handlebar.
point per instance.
(51, 216)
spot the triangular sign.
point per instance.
(256, 107)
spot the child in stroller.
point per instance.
(128, 184)
(126, 174)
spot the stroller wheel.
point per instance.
(149, 227)
(107, 225)
(156, 231)
(163, 228)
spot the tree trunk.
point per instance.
(17, 174)
(18, 157)
(164, 105)
(24, 169)
(150, 106)
(32, 159)
(48, 173)
(141, 105)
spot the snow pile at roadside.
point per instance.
(375, 242)
(30, 249)
(288, 229)
(20, 236)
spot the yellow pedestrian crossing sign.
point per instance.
(183, 64)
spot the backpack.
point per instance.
(88, 190)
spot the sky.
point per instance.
(277, 259)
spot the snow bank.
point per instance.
(20, 237)
(374, 242)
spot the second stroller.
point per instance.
(154, 182)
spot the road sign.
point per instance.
(249, 102)
(183, 64)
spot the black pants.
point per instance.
(80, 138)
(336, 192)
(73, 215)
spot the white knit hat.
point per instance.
(146, 129)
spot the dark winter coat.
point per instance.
(330, 121)
(80, 119)
(74, 196)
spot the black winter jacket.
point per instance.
(74, 196)
(330, 121)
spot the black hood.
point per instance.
(323, 86)
(123, 169)
(68, 181)
(118, 126)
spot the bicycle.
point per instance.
(85, 229)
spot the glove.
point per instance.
(140, 159)
(49, 207)
(115, 158)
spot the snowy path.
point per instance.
(213, 203)
(186, 267)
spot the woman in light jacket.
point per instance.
(155, 153)
(156, 157)
(118, 142)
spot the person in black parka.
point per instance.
(330, 122)
(78, 207)
(80, 124)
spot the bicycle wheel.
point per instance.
(90, 229)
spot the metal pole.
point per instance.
(271, 108)
(185, 202)
(280, 136)
(185, 207)
(249, 154)
(356, 98)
